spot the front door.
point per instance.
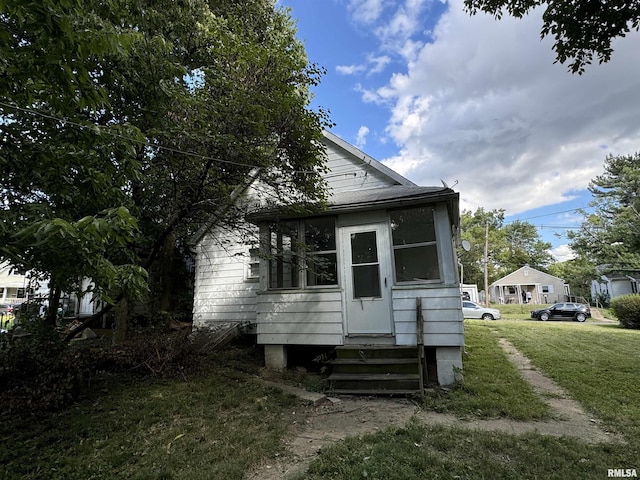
(367, 276)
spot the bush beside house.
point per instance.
(627, 309)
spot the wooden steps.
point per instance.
(375, 370)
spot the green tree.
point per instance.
(610, 235)
(578, 273)
(510, 246)
(523, 245)
(156, 112)
(63, 201)
(581, 29)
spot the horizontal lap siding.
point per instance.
(441, 309)
(222, 294)
(348, 174)
(304, 318)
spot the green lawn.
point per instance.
(216, 424)
(598, 365)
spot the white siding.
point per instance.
(620, 286)
(347, 173)
(441, 309)
(222, 292)
(309, 317)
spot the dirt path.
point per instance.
(335, 419)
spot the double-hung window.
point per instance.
(415, 251)
(303, 253)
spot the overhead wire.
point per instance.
(124, 137)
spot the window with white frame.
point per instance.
(283, 263)
(320, 251)
(253, 267)
(307, 246)
(415, 250)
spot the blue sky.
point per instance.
(437, 94)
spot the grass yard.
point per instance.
(598, 365)
(212, 426)
(217, 424)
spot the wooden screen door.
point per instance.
(367, 276)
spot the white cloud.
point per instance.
(378, 63)
(350, 69)
(562, 253)
(365, 11)
(361, 139)
(485, 105)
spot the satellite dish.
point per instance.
(466, 245)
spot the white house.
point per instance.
(12, 285)
(528, 285)
(376, 268)
(614, 284)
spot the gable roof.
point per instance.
(400, 190)
(367, 160)
(515, 277)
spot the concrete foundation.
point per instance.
(275, 357)
(449, 362)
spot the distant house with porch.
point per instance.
(528, 285)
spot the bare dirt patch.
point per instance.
(336, 418)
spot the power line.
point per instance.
(124, 137)
(548, 214)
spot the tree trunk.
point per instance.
(122, 312)
(54, 301)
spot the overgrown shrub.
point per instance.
(627, 309)
(38, 371)
(157, 354)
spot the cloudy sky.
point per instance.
(438, 94)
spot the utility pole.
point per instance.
(486, 266)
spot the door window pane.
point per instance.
(363, 248)
(366, 281)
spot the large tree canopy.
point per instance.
(581, 29)
(510, 246)
(610, 236)
(125, 125)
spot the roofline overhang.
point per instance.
(293, 212)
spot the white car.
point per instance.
(473, 310)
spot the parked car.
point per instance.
(575, 311)
(473, 310)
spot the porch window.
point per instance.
(308, 244)
(415, 250)
(320, 250)
(283, 265)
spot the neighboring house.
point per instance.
(615, 284)
(349, 276)
(528, 285)
(18, 288)
(14, 287)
